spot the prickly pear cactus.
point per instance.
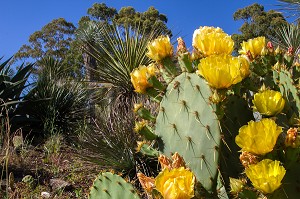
(187, 122)
(289, 90)
(109, 186)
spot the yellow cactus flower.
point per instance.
(139, 78)
(256, 47)
(236, 185)
(222, 71)
(140, 125)
(212, 41)
(268, 102)
(245, 66)
(258, 137)
(160, 48)
(176, 183)
(266, 175)
(136, 107)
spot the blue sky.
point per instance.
(21, 18)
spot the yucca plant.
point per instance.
(288, 37)
(57, 102)
(116, 51)
(291, 8)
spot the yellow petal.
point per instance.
(256, 47)
(258, 137)
(212, 41)
(222, 71)
(266, 175)
(269, 102)
(160, 48)
(176, 183)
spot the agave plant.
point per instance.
(116, 51)
(12, 84)
(58, 103)
(288, 36)
(291, 7)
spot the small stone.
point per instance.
(45, 194)
(57, 184)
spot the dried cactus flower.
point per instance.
(292, 139)
(146, 182)
(247, 158)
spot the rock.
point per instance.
(57, 184)
(45, 194)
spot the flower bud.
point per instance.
(236, 185)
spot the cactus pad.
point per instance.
(187, 124)
(109, 186)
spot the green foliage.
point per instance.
(290, 91)
(288, 36)
(236, 114)
(57, 102)
(108, 185)
(150, 20)
(127, 16)
(112, 145)
(101, 12)
(12, 85)
(52, 40)
(257, 22)
(116, 51)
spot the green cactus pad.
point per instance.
(236, 114)
(110, 186)
(289, 90)
(188, 124)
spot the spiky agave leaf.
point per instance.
(12, 83)
(288, 36)
(57, 101)
(291, 8)
(112, 143)
(117, 51)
